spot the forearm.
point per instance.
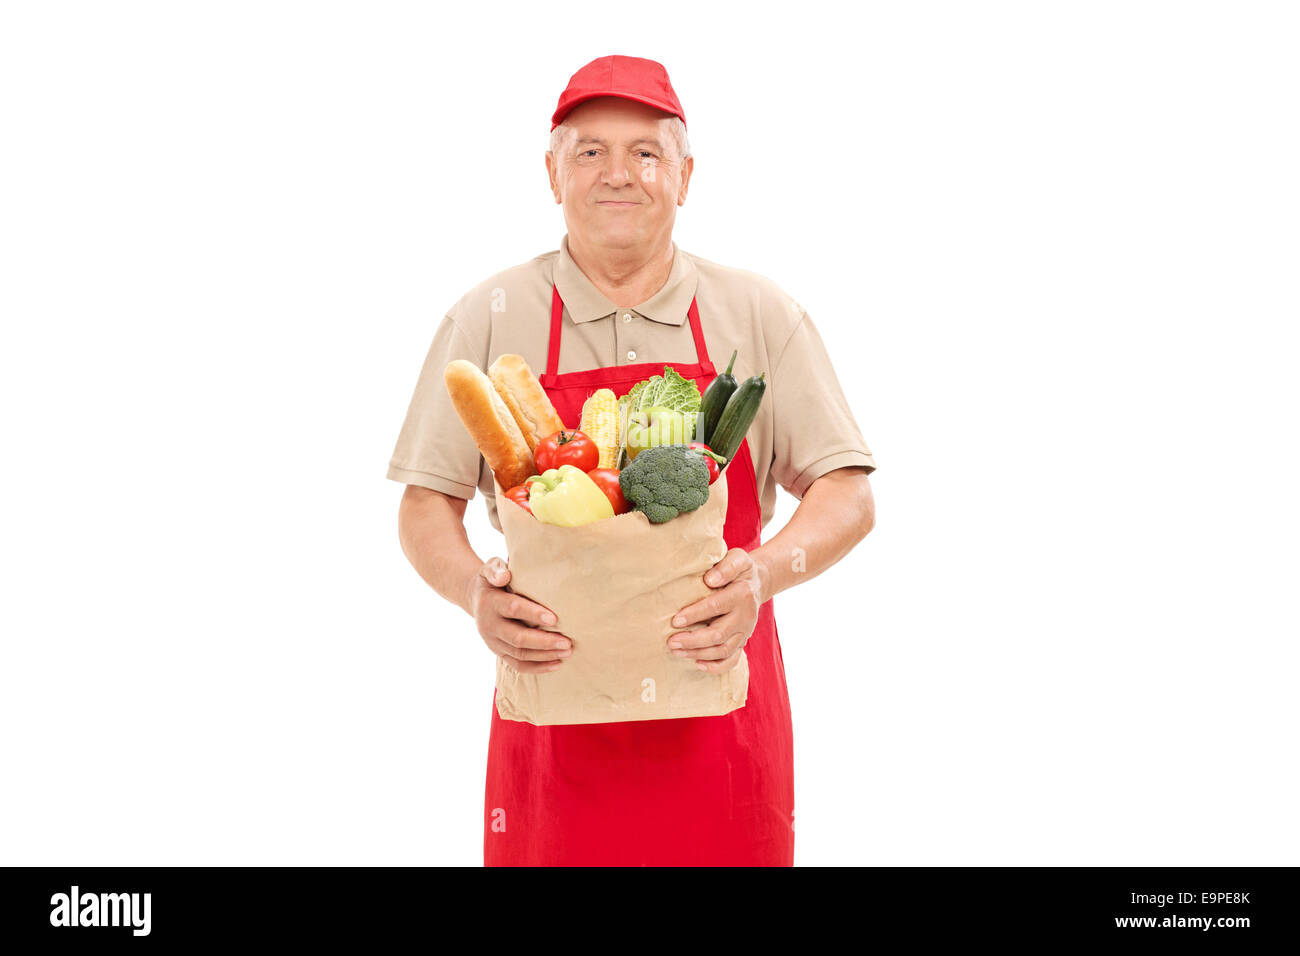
(432, 531)
(836, 512)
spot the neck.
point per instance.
(627, 277)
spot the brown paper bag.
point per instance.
(615, 586)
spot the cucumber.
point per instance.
(714, 401)
(736, 418)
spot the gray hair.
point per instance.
(560, 135)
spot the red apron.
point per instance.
(702, 791)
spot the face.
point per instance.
(618, 175)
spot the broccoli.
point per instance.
(666, 481)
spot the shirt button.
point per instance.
(627, 316)
(631, 354)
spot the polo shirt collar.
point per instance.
(585, 303)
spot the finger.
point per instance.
(719, 667)
(705, 609)
(697, 638)
(496, 572)
(714, 632)
(503, 648)
(521, 636)
(717, 652)
(727, 641)
(519, 608)
(708, 608)
(733, 564)
(532, 667)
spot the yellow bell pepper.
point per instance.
(566, 496)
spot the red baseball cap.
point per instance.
(629, 77)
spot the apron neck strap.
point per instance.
(701, 350)
(553, 344)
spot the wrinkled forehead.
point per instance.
(614, 122)
(582, 139)
(615, 110)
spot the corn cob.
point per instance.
(600, 424)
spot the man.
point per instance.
(616, 299)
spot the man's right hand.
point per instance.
(510, 624)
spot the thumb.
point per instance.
(496, 571)
(729, 568)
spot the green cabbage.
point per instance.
(668, 390)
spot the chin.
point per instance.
(620, 237)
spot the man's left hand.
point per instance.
(731, 612)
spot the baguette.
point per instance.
(526, 399)
(489, 423)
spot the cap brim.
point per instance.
(557, 116)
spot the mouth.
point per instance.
(617, 205)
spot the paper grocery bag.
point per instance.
(615, 585)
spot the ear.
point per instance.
(687, 167)
(552, 171)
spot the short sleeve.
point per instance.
(814, 430)
(434, 450)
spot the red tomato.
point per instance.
(519, 495)
(606, 480)
(566, 448)
(713, 465)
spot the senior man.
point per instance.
(617, 301)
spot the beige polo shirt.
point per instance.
(804, 427)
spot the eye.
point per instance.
(646, 153)
(587, 152)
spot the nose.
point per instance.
(615, 172)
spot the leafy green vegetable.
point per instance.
(633, 397)
(669, 390)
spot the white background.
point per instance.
(1052, 248)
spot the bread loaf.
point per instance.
(527, 400)
(489, 423)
